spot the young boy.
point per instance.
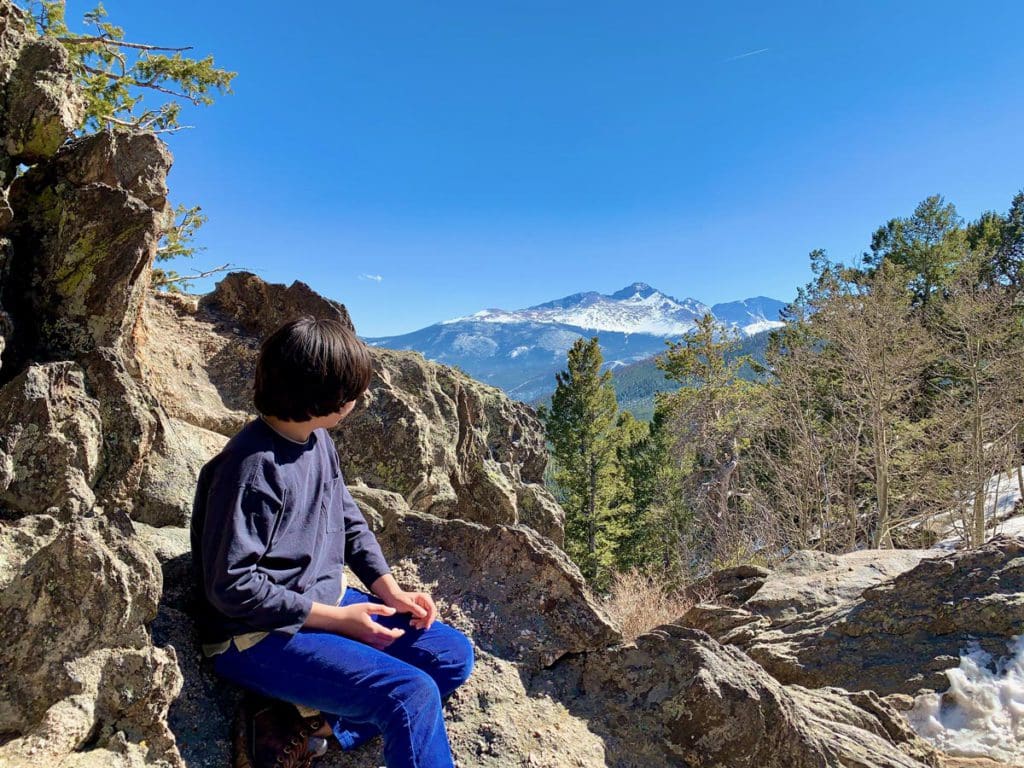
(272, 526)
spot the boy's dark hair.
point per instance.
(310, 367)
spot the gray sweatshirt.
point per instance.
(272, 526)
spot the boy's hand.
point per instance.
(419, 604)
(355, 621)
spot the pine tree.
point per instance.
(119, 80)
(712, 419)
(581, 426)
(659, 520)
(927, 244)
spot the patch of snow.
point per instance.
(762, 325)
(474, 344)
(1001, 497)
(1011, 527)
(557, 341)
(519, 351)
(982, 713)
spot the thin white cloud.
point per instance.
(375, 278)
(748, 54)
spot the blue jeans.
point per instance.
(361, 691)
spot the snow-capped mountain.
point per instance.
(750, 315)
(520, 351)
(637, 308)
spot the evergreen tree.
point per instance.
(116, 74)
(581, 426)
(713, 416)
(927, 244)
(659, 520)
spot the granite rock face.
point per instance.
(526, 600)
(892, 634)
(43, 105)
(50, 440)
(259, 307)
(167, 486)
(678, 697)
(83, 246)
(77, 665)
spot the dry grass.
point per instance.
(638, 603)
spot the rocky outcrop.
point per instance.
(810, 581)
(50, 440)
(86, 227)
(678, 697)
(451, 446)
(526, 600)
(895, 632)
(83, 244)
(81, 683)
(77, 667)
(43, 106)
(259, 307)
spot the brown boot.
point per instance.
(272, 734)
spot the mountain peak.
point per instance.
(643, 289)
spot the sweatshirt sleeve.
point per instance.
(362, 551)
(240, 520)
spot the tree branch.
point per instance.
(106, 40)
(141, 83)
(196, 276)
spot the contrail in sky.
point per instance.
(748, 53)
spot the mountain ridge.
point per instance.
(521, 350)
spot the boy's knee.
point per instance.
(462, 659)
(417, 690)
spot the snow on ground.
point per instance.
(762, 325)
(1002, 494)
(982, 713)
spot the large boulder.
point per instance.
(50, 440)
(199, 367)
(87, 222)
(260, 307)
(898, 634)
(77, 668)
(453, 447)
(809, 581)
(523, 599)
(43, 106)
(168, 483)
(678, 697)
(83, 247)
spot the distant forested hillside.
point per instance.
(636, 384)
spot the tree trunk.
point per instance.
(592, 514)
(977, 537)
(1020, 461)
(880, 536)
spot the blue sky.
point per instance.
(421, 161)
